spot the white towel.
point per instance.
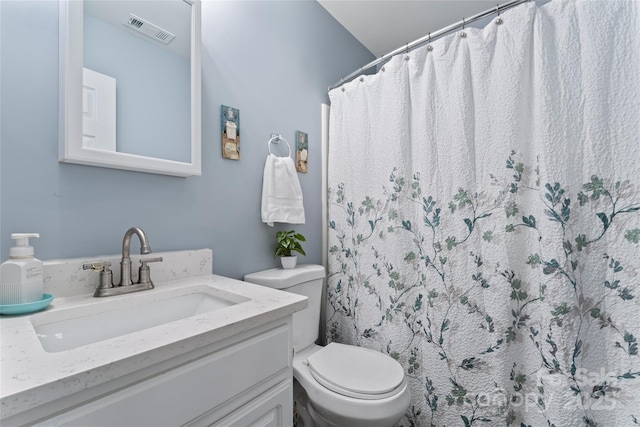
(281, 192)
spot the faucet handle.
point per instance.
(144, 272)
(146, 261)
(97, 266)
(106, 276)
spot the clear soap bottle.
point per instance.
(21, 279)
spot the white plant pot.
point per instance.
(289, 261)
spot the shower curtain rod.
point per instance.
(416, 43)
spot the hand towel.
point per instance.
(281, 192)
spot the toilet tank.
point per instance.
(307, 280)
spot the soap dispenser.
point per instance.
(21, 279)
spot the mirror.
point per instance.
(116, 61)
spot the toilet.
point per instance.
(336, 385)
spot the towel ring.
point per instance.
(276, 140)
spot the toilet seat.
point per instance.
(356, 372)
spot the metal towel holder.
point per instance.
(276, 138)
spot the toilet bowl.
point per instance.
(347, 401)
(344, 385)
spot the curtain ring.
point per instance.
(498, 20)
(429, 47)
(463, 23)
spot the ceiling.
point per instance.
(385, 25)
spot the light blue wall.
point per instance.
(271, 59)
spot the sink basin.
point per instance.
(86, 325)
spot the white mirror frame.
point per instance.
(71, 149)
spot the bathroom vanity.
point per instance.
(197, 350)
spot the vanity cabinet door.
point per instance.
(272, 409)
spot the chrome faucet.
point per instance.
(106, 287)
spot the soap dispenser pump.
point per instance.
(21, 279)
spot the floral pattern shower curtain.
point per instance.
(484, 219)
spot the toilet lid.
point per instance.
(356, 371)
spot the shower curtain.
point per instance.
(484, 218)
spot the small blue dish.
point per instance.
(28, 307)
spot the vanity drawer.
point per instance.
(181, 394)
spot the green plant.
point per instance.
(288, 242)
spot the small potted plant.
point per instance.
(288, 242)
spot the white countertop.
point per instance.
(30, 376)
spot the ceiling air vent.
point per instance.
(148, 29)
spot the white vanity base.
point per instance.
(243, 380)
